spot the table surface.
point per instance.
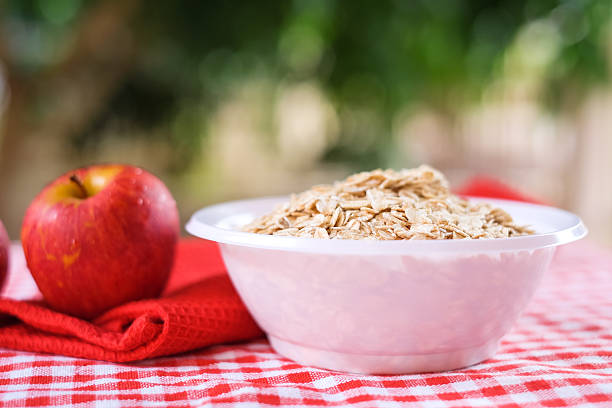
(558, 354)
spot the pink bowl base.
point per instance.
(384, 364)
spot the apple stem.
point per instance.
(76, 180)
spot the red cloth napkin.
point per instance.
(482, 186)
(201, 308)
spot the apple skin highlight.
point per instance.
(89, 253)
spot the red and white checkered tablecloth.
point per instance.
(558, 354)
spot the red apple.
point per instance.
(4, 254)
(100, 236)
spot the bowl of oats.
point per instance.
(386, 272)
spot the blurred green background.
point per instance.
(226, 99)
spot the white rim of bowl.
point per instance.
(202, 225)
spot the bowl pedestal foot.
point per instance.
(383, 364)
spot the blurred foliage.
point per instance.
(374, 57)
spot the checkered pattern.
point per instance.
(559, 354)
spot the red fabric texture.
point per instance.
(483, 186)
(200, 308)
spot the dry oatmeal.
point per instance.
(387, 205)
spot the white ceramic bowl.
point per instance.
(385, 307)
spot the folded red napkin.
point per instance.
(200, 308)
(482, 186)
